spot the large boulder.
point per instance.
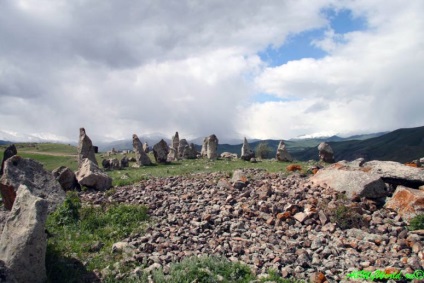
(141, 158)
(90, 176)
(160, 151)
(85, 148)
(124, 162)
(396, 173)
(23, 242)
(190, 152)
(24, 171)
(355, 183)
(326, 153)
(407, 202)
(228, 155)
(246, 152)
(211, 147)
(8, 153)
(172, 155)
(282, 154)
(66, 178)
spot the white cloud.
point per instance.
(126, 67)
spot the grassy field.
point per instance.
(54, 155)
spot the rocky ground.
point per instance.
(267, 221)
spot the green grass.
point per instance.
(417, 222)
(75, 230)
(51, 162)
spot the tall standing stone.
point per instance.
(160, 151)
(85, 148)
(23, 242)
(176, 143)
(204, 150)
(212, 146)
(326, 153)
(183, 145)
(246, 152)
(8, 153)
(141, 158)
(282, 153)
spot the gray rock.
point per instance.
(146, 147)
(140, 155)
(160, 151)
(396, 173)
(204, 150)
(124, 162)
(325, 153)
(282, 153)
(356, 184)
(181, 148)
(212, 146)
(28, 172)
(85, 148)
(176, 143)
(23, 242)
(90, 176)
(228, 155)
(407, 202)
(8, 153)
(172, 155)
(114, 164)
(246, 153)
(66, 178)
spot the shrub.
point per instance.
(417, 223)
(263, 151)
(346, 218)
(68, 212)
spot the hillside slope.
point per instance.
(401, 145)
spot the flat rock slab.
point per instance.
(395, 172)
(407, 202)
(353, 183)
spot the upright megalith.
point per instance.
(25, 171)
(85, 148)
(246, 152)
(182, 146)
(326, 153)
(212, 146)
(141, 158)
(8, 153)
(160, 151)
(176, 143)
(23, 242)
(282, 154)
(204, 150)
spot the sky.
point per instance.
(258, 69)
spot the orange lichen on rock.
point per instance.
(314, 170)
(411, 164)
(294, 167)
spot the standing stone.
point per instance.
(23, 242)
(141, 157)
(190, 152)
(212, 146)
(146, 147)
(282, 153)
(28, 172)
(326, 153)
(204, 150)
(124, 162)
(114, 164)
(90, 176)
(160, 151)
(8, 153)
(66, 178)
(176, 143)
(106, 164)
(171, 155)
(85, 148)
(246, 152)
(183, 145)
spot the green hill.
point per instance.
(401, 145)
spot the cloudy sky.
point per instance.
(262, 69)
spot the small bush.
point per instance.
(346, 217)
(417, 223)
(68, 212)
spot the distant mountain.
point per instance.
(4, 142)
(401, 145)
